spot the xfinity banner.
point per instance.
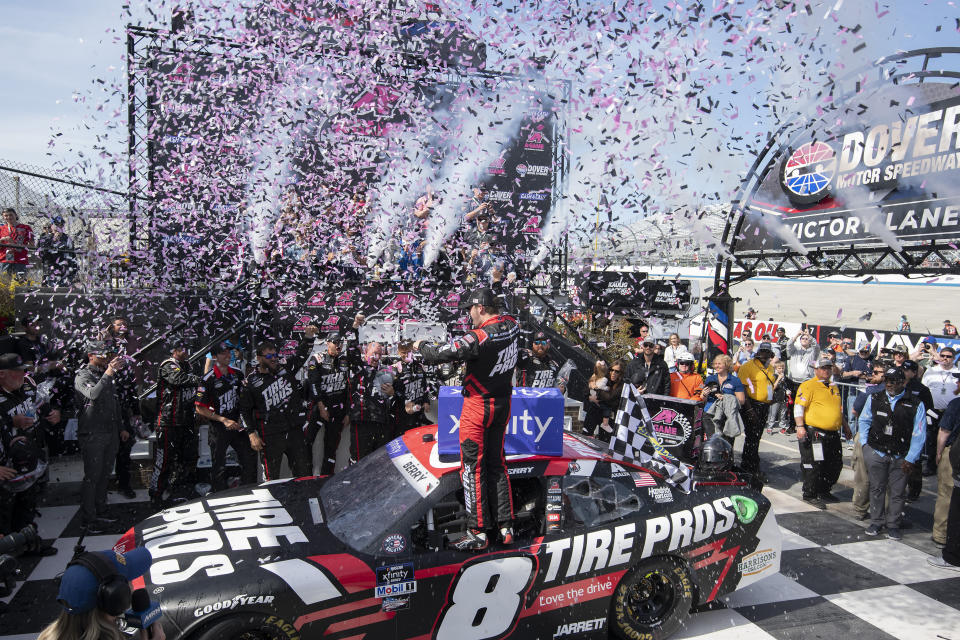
(883, 168)
(535, 427)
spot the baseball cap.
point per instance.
(540, 336)
(929, 340)
(863, 346)
(764, 346)
(483, 296)
(824, 362)
(79, 586)
(894, 374)
(334, 336)
(833, 334)
(220, 347)
(99, 347)
(910, 365)
(12, 362)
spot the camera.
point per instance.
(12, 545)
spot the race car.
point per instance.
(602, 548)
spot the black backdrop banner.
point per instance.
(219, 170)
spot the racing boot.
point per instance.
(506, 534)
(470, 541)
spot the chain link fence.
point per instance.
(95, 220)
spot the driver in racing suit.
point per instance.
(490, 351)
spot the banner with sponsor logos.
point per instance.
(868, 175)
(677, 423)
(535, 427)
(633, 291)
(228, 154)
(877, 339)
(334, 310)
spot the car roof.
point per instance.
(575, 448)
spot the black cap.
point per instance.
(894, 374)
(12, 362)
(540, 335)
(764, 346)
(483, 296)
(100, 347)
(833, 334)
(910, 365)
(333, 336)
(220, 347)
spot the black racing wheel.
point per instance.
(652, 601)
(253, 626)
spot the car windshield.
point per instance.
(363, 503)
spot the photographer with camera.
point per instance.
(101, 429)
(95, 593)
(22, 461)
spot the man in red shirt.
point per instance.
(15, 239)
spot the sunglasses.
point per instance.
(541, 342)
(270, 356)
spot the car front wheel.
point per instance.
(254, 626)
(652, 601)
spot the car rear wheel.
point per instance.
(652, 601)
(252, 626)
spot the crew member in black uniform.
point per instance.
(920, 391)
(536, 369)
(273, 410)
(490, 351)
(376, 402)
(218, 400)
(413, 381)
(892, 430)
(328, 376)
(175, 457)
(22, 463)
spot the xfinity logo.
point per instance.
(525, 418)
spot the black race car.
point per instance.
(602, 548)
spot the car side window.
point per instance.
(592, 501)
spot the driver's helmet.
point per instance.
(716, 457)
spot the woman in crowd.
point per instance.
(610, 400)
(599, 381)
(674, 348)
(723, 414)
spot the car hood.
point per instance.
(233, 548)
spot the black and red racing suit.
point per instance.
(175, 456)
(490, 352)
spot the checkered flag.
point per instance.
(634, 441)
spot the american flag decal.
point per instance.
(642, 479)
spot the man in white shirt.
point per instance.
(939, 379)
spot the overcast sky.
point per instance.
(644, 74)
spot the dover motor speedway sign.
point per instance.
(536, 421)
(865, 174)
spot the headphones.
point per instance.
(113, 590)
